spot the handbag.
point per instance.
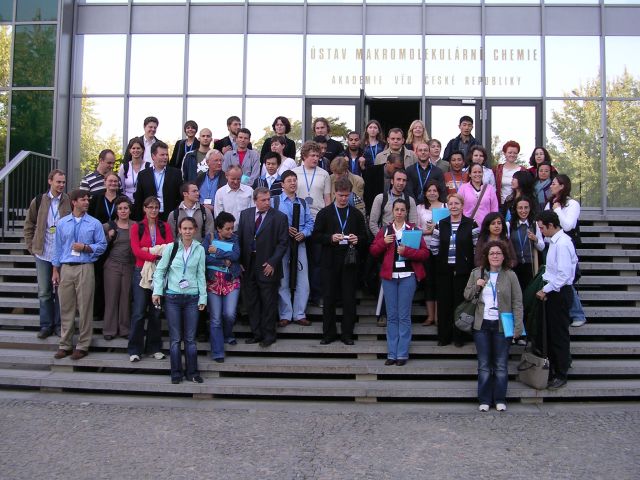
(533, 370)
(351, 257)
(465, 313)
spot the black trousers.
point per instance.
(261, 301)
(558, 321)
(340, 282)
(449, 294)
(524, 272)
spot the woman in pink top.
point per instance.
(472, 191)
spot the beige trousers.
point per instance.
(77, 284)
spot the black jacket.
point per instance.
(289, 148)
(413, 180)
(147, 187)
(326, 224)
(464, 246)
(178, 152)
(373, 184)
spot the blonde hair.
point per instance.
(456, 195)
(425, 136)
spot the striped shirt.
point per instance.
(451, 256)
(93, 183)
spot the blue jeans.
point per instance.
(182, 317)
(576, 312)
(296, 311)
(142, 308)
(398, 295)
(493, 355)
(222, 316)
(49, 305)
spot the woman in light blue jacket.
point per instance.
(180, 278)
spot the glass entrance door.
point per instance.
(343, 115)
(519, 120)
(443, 118)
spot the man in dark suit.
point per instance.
(160, 181)
(263, 234)
(377, 179)
(421, 172)
(338, 227)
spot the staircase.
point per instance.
(606, 351)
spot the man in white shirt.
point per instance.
(558, 295)
(314, 185)
(234, 196)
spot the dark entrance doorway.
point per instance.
(393, 112)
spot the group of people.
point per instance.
(187, 233)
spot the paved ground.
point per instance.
(68, 436)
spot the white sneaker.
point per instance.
(134, 358)
(483, 407)
(501, 407)
(578, 322)
(159, 356)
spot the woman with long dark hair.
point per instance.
(493, 228)
(522, 185)
(479, 198)
(372, 143)
(281, 126)
(129, 170)
(539, 156)
(526, 241)
(478, 154)
(542, 185)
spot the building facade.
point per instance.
(79, 76)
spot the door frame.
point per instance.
(311, 101)
(466, 102)
(503, 102)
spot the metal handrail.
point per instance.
(29, 177)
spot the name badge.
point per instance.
(399, 264)
(52, 229)
(343, 242)
(207, 201)
(74, 253)
(184, 283)
(309, 200)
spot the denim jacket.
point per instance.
(217, 259)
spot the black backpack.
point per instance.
(161, 226)
(385, 200)
(175, 214)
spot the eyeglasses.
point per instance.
(495, 254)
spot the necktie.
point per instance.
(258, 222)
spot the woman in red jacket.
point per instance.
(402, 268)
(148, 233)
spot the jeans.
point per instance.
(182, 317)
(142, 308)
(49, 304)
(576, 312)
(222, 316)
(493, 355)
(398, 295)
(297, 310)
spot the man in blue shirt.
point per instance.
(79, 241)
(294, 310)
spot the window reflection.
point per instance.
(223, 75)
(274, 63)
(572, 66)
(35, 10)
(393, 65)
(576, 151)
(167, 110)
(100, 128)
(156, 64)
(334, 65)
(260, 113)
(6, 11)
(212, 113)
(4, 120)
(103, 63)
(5, 54)
(31, 112)
(623, 175)
(512, 66)
(623, 73)
(452, 65)
(34, 56)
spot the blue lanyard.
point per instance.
(54, 214)
(522, 240)
(493, 290)
(309, 185)
(106, 207)
(354, 164)
(158, 184)
(76, 230)
(373, 151)
(152, 235)
(453, 176)
(422, 184)
(186, 260)
(342, 225)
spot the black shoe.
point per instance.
(389, 361)
(233, 342)
(57, 332)
(108, 337)
(556, 383)
(267, 343)
(218, 360)
(252, 340)
(44, 333)
(458, 343)
(326, 341)
(175, 381)
(196, 379)
(348, 342)
(401, 363)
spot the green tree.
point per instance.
(577, 128)
(91, 143)
(339, 131)
(5, 50)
